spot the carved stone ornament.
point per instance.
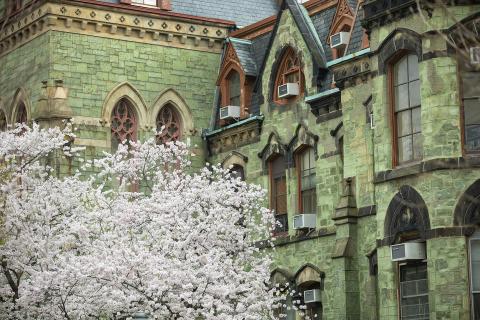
(407, 212)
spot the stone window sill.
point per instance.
(427, 166)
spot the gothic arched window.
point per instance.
(21, 116)
(169, 119)
(124, 123)
(3, 121)
(289, 71)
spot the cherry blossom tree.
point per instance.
(140, 236)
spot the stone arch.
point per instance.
(173, 98)
(274, 146)
(307, 274)
(407, 212)
(128, 92)
(20, 98)
(235, 158)
(280, 276)
(310, 79)
(397, 42)
(303, 138)
(467, 210)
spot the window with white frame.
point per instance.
(146, 2)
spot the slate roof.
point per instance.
(356, 35)
(245, 54)
(243, 12)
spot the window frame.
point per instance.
(273, 195)
(399, 282)
(299, 166)
(283, 72)
(474, 237)
(391, 101)
(130, 108)
(178, 120)
(228, 85)
(463, 137)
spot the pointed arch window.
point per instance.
(3, 121)
(407, 133)
(169, 119)
(21, 116)
(289, 71)
(124, 123)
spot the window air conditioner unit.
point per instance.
(303, 221)
(475, 55)
(408, 251)
(339, 39)
(229, 112)
(311, 296)
(288, 89)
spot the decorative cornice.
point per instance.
(97, 21)
(235, 136)
(347, 74)
(381, 12)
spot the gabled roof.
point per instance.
(307, 29)
(244, 50)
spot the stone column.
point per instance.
(344, 257)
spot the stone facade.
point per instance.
(365, 203)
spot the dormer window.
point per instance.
(234, 91)
(289, 72)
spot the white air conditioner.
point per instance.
(408, 251)
(311, 296)
(475, 55)
(230, 112)
(303, 221)
(339, 39)
(288, 90)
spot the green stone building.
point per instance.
(360, 118)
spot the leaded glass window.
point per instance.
(168, 125)
(123, 123)
(406, 95)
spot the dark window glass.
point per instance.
(414, 292)
(308, 181)
(234, 89)
(3, 121)
(475, 274)
(470, 78)
(21, 116)
(279, 193)
(238, 172)
(406, 85)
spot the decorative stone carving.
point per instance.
(230, 138)
(274, 146)
(407, 212)
(53, 105)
